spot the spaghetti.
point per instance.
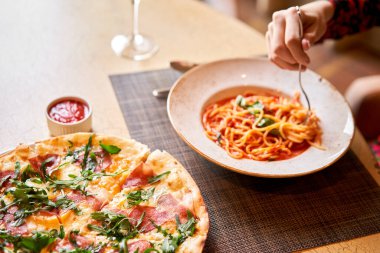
(262, 127)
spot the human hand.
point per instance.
(285, 47)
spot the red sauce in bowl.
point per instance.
(68, 111)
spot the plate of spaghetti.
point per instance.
(247, 115)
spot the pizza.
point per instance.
(92, 193)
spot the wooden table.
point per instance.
(50, 49)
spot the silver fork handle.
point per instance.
(300, 65)
(303, 90)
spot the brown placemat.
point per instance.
(249, 214)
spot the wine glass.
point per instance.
(135, 46)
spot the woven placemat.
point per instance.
(249, 214)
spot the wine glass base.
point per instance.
(136, 47)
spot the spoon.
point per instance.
(181, 66)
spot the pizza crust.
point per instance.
(161, 161)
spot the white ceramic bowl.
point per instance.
(58, 128)
(222, 79)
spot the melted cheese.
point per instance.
(67, 168)
(71, 221)
(38, 222)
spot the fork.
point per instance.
(300, 65)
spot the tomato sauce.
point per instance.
(68, 111)
(297, 149)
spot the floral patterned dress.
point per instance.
(352, 16)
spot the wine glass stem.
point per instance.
(136, 6)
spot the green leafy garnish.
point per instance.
(253, 108)
(72, 235)
(123, 246)
(29, 173)
(151, 250)
(275, 132)
(160, 229)
(134, 198)
(43, 167)
(66, 204)
(28, 199)
(115, 225)
(90, 165)
(35, 180)
(186, 229)
(257, 105)
(75, 154)
(33, 244)
(61, 232)
(110, 148)
(172, 242)
(17, 169)
(89, 249)
(87, 149)
(264, 122)
(240, 101)
(157, 178)
(89, 162)
(69, 150)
